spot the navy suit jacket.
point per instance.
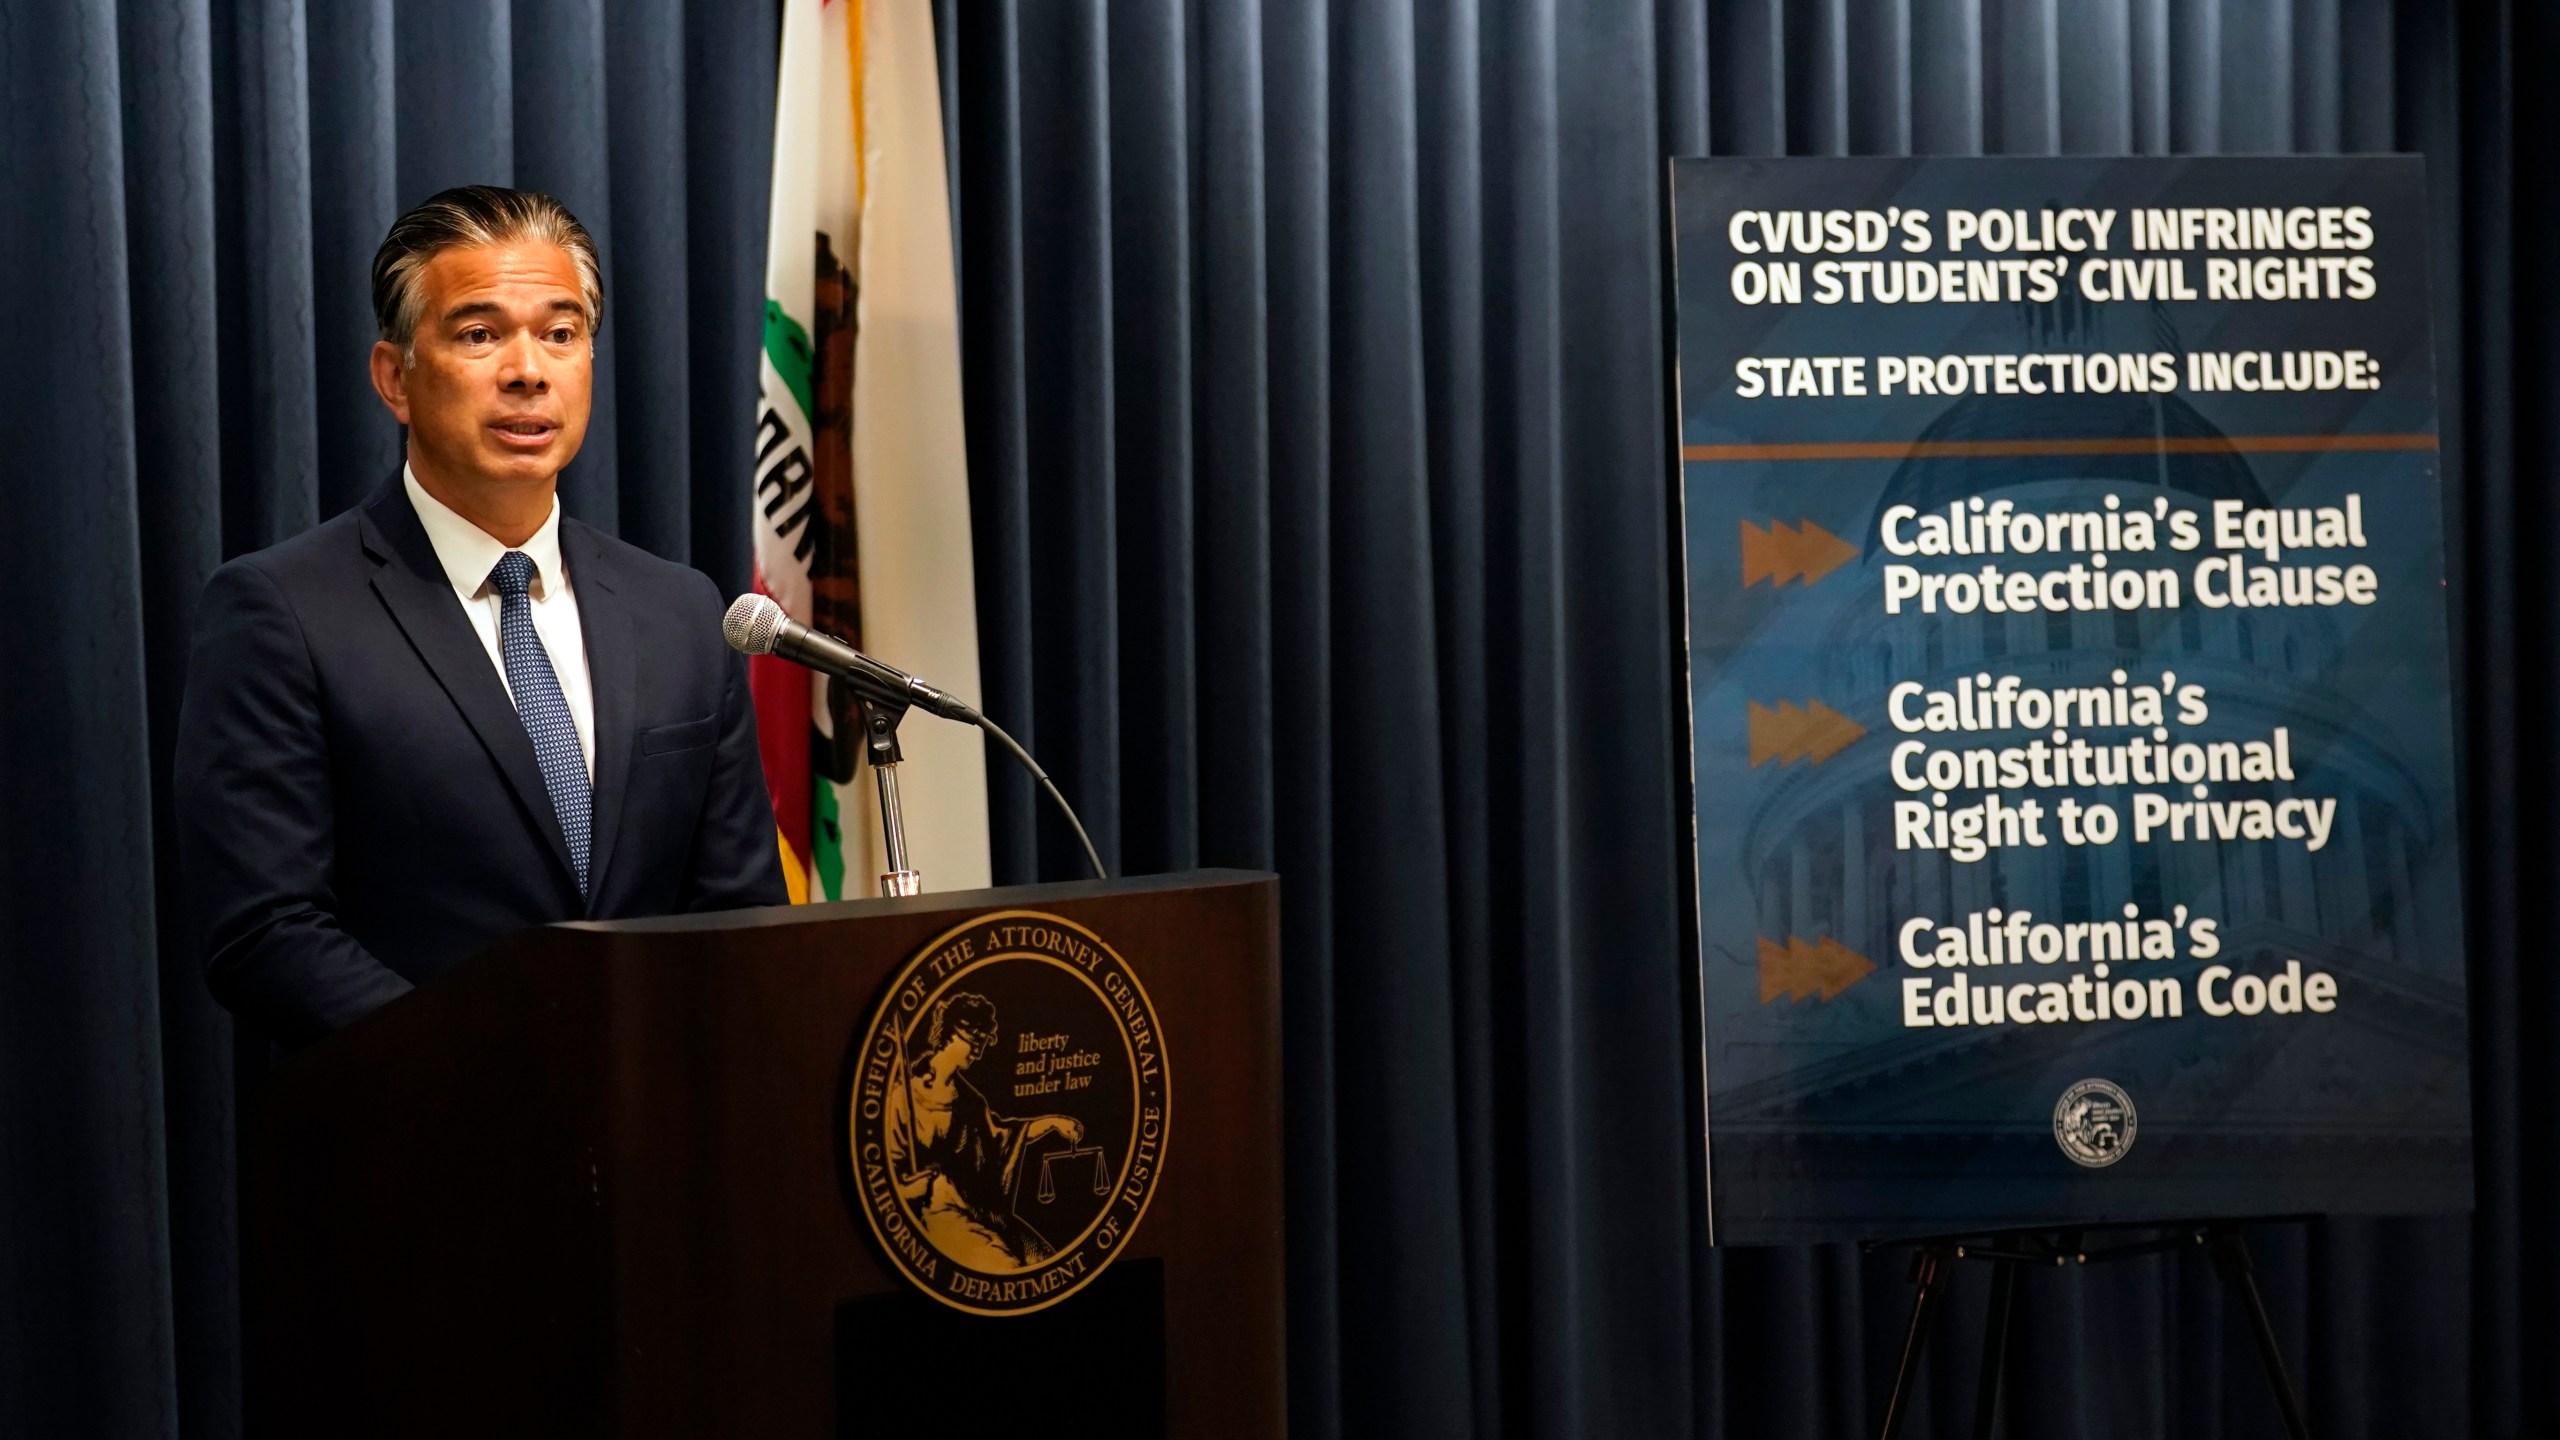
(358, 805)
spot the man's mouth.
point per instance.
(527, 431)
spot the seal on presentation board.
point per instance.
(2093, 1123)
(1010, 1109)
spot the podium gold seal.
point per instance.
(1009, 1114)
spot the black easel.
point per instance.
(2011, 1254)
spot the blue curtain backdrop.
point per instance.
(1316, 372)
(1316, 377)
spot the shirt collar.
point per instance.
(468, 553)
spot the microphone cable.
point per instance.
(1024, 756)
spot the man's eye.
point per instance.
(477, 335)
(562, 335)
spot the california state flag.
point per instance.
(861, 479)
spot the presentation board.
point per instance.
(2070, 706)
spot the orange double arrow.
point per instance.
(1788, 732)
(1802, 968)
(1804, 552)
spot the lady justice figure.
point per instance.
(952, 1156)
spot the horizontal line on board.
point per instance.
(2094, 445)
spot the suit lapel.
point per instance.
(612, 671)
(414, 588)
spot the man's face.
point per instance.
(503, 369)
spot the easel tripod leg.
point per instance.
(1929, 1274)
(2231, 1258)
(1995, 1348)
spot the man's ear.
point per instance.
(391, 380)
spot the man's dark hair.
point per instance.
(473, 215)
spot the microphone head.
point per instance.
(752, 623)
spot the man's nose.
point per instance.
(520, 364)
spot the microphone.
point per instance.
(755, 625)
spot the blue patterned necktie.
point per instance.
(542, 708)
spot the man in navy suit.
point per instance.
(453, 712)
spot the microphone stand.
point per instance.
(880, 746)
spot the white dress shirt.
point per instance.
(468, 553)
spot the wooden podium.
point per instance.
(603, 1180)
